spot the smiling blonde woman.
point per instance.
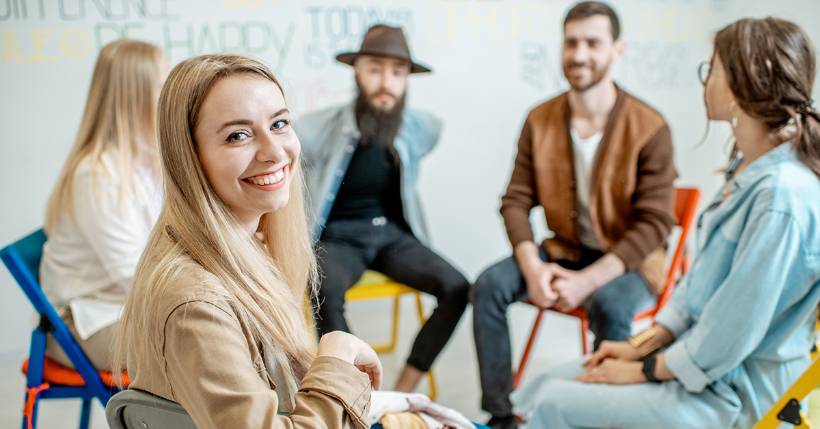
(215, 317)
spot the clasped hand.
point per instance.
(550, 285)
(615, 362)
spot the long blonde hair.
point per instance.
(266, 284)
(119, 117)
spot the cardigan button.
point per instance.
(573, 214)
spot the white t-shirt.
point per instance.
(89, 262)
(583, 154)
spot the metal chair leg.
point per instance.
(525, 358)
(431, 378)
(584, 340)
(85, 413)
(420, 309)
(394, 329)
(394, 326)
(33, 413)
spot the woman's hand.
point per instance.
(621, 350)
(614, 371)
(351, 349)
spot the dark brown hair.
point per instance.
(770, 66)
(587, 9)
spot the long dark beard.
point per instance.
(378, 126)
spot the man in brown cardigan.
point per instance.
(599, 161)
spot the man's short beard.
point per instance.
(378, 126)
(597, 76)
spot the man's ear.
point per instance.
(620, 48)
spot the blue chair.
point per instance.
(22, 258)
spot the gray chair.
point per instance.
(137, 409)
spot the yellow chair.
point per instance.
(374, 285)
(788, 408)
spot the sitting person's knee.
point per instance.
(491, 288)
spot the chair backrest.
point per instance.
(686, 207)
(137, 409)
(22, 258)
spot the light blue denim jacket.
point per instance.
(744, 316)
(329, 138)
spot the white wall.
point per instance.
(493, 61)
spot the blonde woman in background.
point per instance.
(215, 320)
(106, 199)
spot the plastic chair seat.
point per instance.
(56, 374)
(374, 285)
(136, 409)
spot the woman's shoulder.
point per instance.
(786, 184)
(97, 177)
(106, 168)
(194, 284)
(102, 165)
(789, 190)
(183, 281)
(794, 189)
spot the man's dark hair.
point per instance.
(587, 9)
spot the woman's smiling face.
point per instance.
(247, 146)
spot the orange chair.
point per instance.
(686, 204)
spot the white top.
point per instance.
(88, 263)
(583, 154)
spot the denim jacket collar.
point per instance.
(759, 166)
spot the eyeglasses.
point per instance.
(704, 69)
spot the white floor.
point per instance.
(456, 370)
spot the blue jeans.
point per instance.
(611, 310)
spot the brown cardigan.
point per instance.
(631, 201)
(212, 366)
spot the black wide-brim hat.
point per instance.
(384, 41)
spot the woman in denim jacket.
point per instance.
(738, 328)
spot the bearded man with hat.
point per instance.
(362, 160)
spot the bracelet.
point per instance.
(648, 341)
(642, 337)
(648, 369)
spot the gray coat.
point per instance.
(329, 138)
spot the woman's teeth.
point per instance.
(268, 179)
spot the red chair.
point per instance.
(686, 205)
